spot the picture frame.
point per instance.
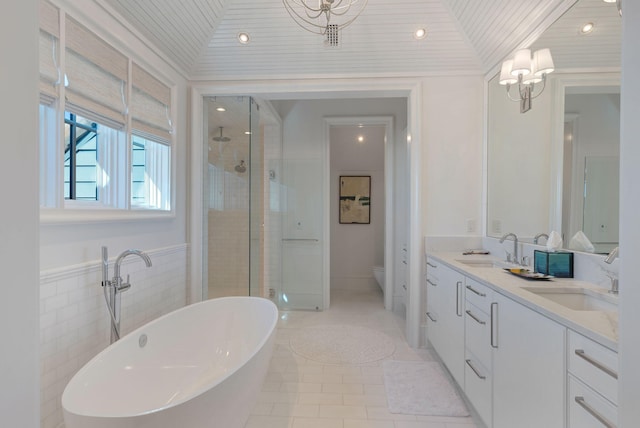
(355, 199)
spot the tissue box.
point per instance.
(558, 264)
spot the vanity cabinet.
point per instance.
(478, 351)
(445, 321)
(517, 367)
(528, 367)
(593, 383)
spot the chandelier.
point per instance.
(324, 16)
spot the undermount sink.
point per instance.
(577, 299)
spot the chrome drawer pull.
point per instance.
(458, 301)
(432, 265)
(475, 318)
(431, 282)
(604, 421)
(473, 290)
(431, 318)
(580, 353)
(494, 325)
(475, 370)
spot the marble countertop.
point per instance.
(600, 326)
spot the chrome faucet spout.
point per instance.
(612, 255)
(118, 262)
(538, 236)
(515, 245)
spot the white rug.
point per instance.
(342, 344)
(421, 388)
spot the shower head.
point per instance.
(241, 167)
(221, 138)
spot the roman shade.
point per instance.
(97, 75)
(49, 51)
(150, 105)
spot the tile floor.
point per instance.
(301, 393)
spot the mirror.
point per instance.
(535, 174)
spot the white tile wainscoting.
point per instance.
(74, 322)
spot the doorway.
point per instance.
(364, 147)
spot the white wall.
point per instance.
(629, 343)
(355, 249)
(74, 325)
(19, 375)
(452, 153)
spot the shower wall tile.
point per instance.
(74, 322)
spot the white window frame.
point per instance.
(115, 163)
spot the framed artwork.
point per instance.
(355, 199)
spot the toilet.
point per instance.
(378, 273)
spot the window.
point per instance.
(80, 158)
(105, 123)
(150, 181)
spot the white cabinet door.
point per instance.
(445, 304)
(528, 368)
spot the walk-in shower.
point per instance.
(242, 144)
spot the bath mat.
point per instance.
(342, 344)
(421, 388)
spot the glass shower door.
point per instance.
(227, 197)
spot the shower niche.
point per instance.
(241, 223)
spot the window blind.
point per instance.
(97, 75)
(150, 105)
(49, 51)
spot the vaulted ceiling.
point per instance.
(464, 36)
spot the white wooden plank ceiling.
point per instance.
(464, 37)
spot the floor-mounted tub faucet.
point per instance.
(515, 246)
(116, 285)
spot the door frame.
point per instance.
(389, 230)
(338, 88)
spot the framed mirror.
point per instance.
(536, 168)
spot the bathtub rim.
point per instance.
(78, 376)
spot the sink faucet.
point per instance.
(515, 245)
(538, 236)
(612, 255)
(608, 260)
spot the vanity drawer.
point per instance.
(432, 268)
(477, 387)
(478, 294)
(594, 364)
(587, 409)
(478, 333)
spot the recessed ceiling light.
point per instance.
(221, 109)
(587, 28)
(244, 38)
(609, 1)
(360, 139)
(420, 34)
(247, 132)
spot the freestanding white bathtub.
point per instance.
(202, 366)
